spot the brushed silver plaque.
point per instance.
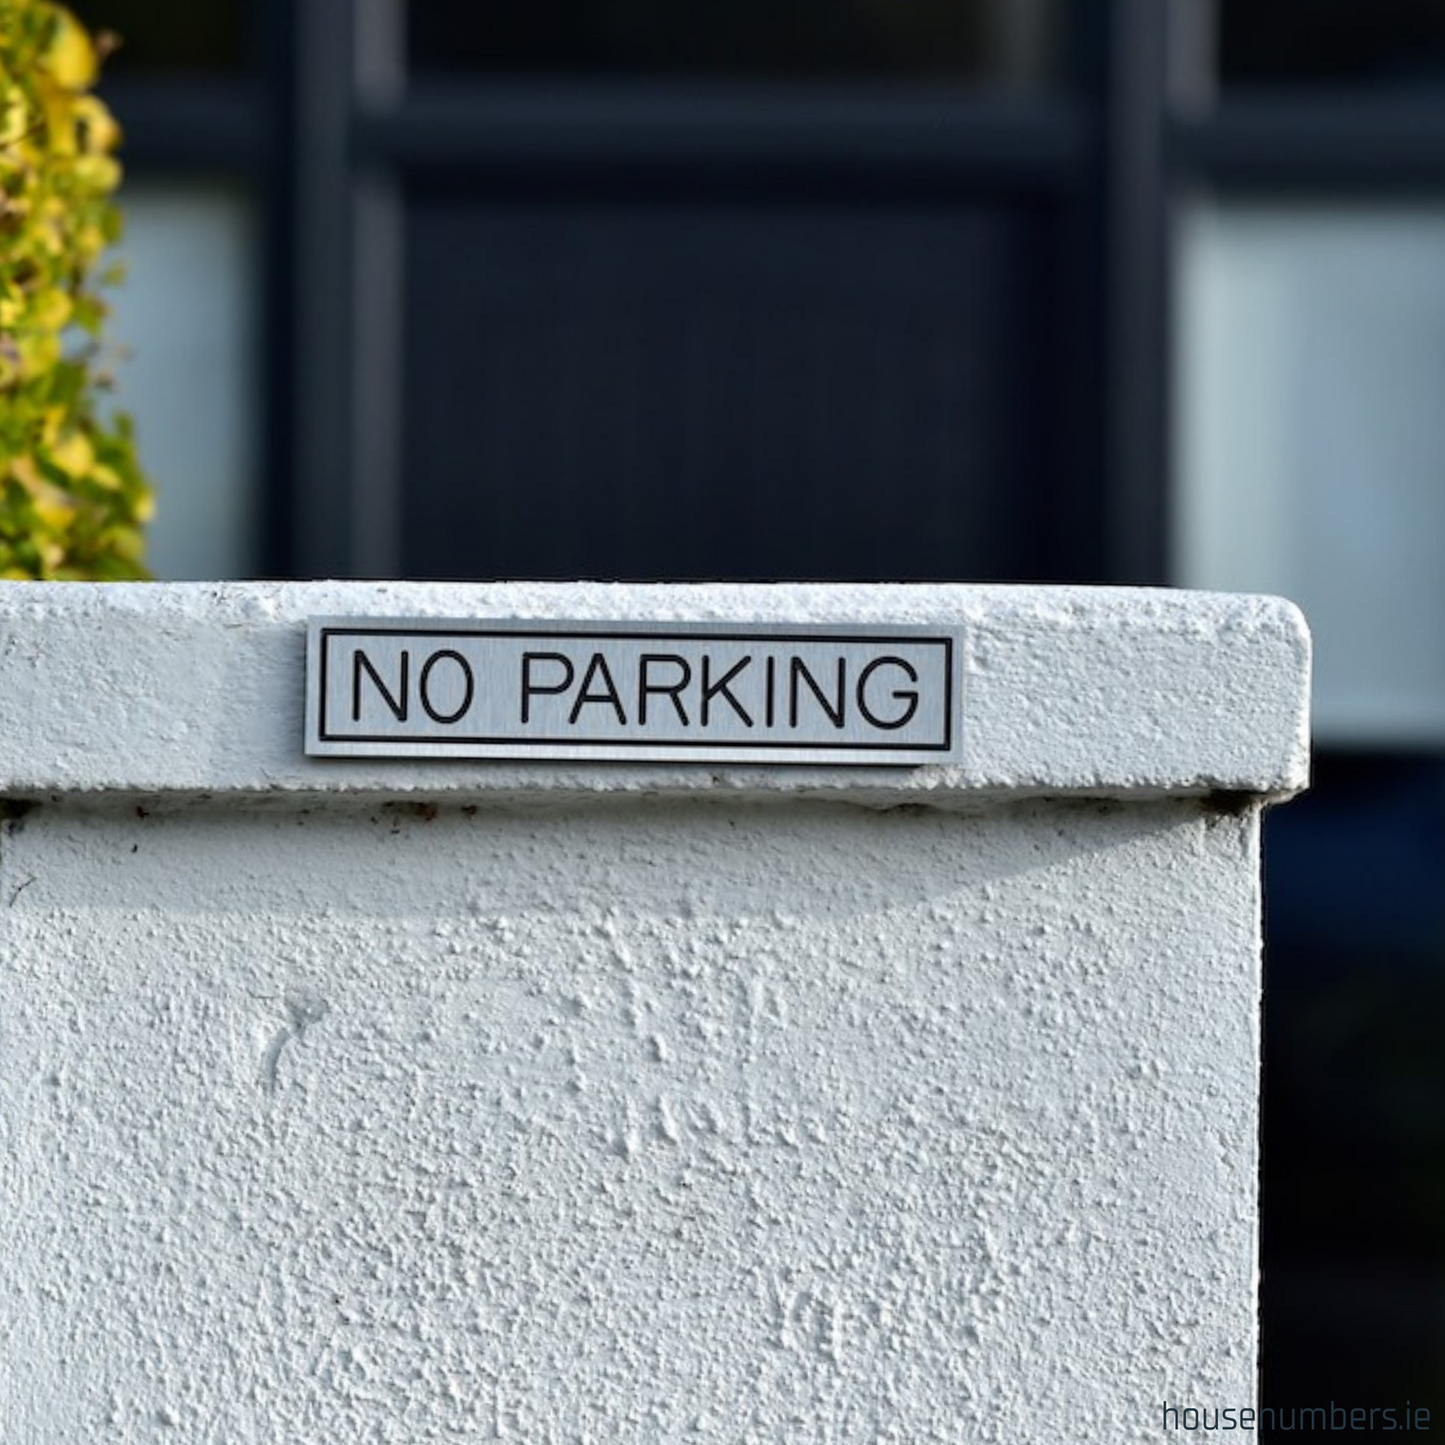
(664, 692)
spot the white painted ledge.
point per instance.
(198, 688)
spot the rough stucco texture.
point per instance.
(199, 688)
(726, 1122)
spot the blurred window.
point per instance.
(1331, 42)
(166, 36)
(183, 325)
(726, 389)
(1002, 42)
(1311, 442)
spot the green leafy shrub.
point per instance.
(72, 497)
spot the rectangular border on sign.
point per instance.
(323, 741)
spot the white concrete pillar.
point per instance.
(430, 1100)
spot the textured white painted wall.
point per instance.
(197, 688)
(726, 1116)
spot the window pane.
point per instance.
(1312, 443)
(727, 390)
(1385, 42)
(170, 35)
(1007, 42)
(183, 321)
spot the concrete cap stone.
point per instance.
(189, 689)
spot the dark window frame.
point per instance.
(327, 147)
